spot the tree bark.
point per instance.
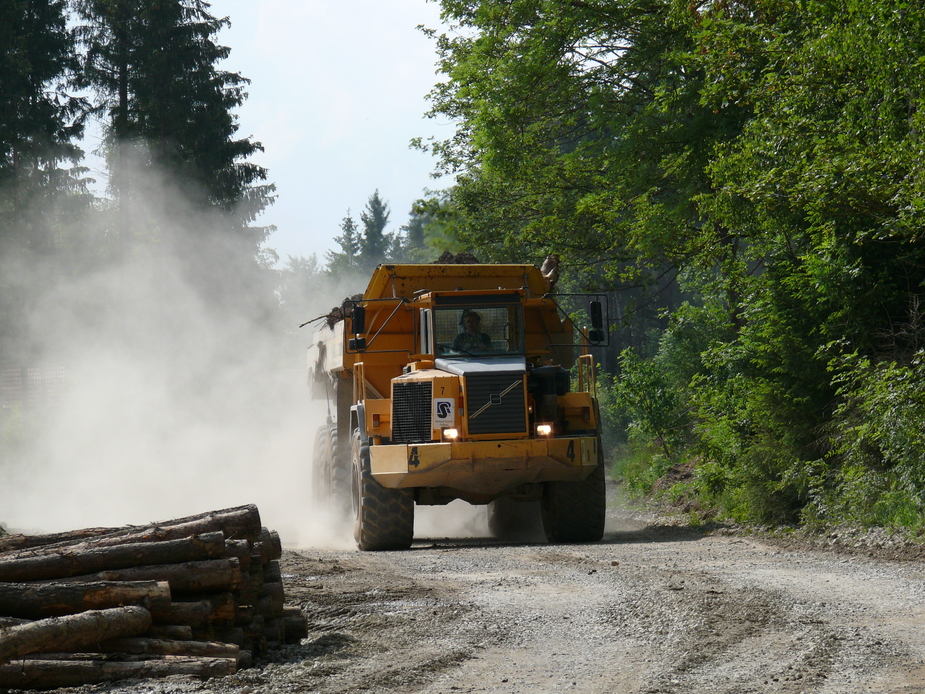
(17, 542)
(193, 614)
(272, 600)
(173, 632)
(210, 575)
(240, 550)
(296, 628)
(139, 645)
(272, 572)
(50, 674)
(241, 522)
(74, 631)
(75, 560)
(12, 622)
(269, 546)
(36, 600)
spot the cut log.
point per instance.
(295, 625)
(269, 546)
(272, 572)
(36, 600)
(74, 631)
(206, 576)
(240, 550)
(189, 613)
(12, 621)
(218, 608)
(272, 600)
(241, 522)
(16, 542)
(74, 561)
(139, 645)
(51, 674)
(245, 659)
(174, 632)
(275, 630)
(234, 635)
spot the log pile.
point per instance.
(195, 596)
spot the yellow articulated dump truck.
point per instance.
(449, 382)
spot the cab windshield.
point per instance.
(478, 331)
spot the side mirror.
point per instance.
(359, 319)
(596, 334)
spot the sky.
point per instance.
(337, 92)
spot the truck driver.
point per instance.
(471, 338)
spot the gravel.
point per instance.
(655, 608)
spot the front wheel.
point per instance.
(383, 518)
(574, 511)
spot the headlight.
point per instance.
(451, 434)
(543, 429)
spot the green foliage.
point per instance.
(769, 153)
(877, 475)
(347, 259)
(374, 243)
(154, 69)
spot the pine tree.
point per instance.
(413, 244)
(154, 68)
(375, 243)
(39, 119)
(41, 185)
(349, 240)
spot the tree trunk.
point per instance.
(240, 550)
(272, 600)
(73, 631)
(185, 577)
(17, 542)
(74, 561)
(50, 674)
(296, 627)
(172, 632)
(139, 645)
(272, 573)
(34, 600)
(241, 522)
(269, 547)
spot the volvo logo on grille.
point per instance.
(495, 398)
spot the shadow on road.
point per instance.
(660, 533)
(649, 533)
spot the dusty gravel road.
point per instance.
(653, 608)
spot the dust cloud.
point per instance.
(175, 384)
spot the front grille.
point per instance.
(495, 403)
(411, 404)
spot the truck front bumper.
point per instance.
(483, 467)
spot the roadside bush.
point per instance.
(876, 474)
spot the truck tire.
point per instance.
(339, 473)
(516, 521)
(383, 518)
(574, 511)
(321, 455)
(330, 471)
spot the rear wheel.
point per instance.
(383, 518)
(330, 471)
(574, 511)
(321, 456)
